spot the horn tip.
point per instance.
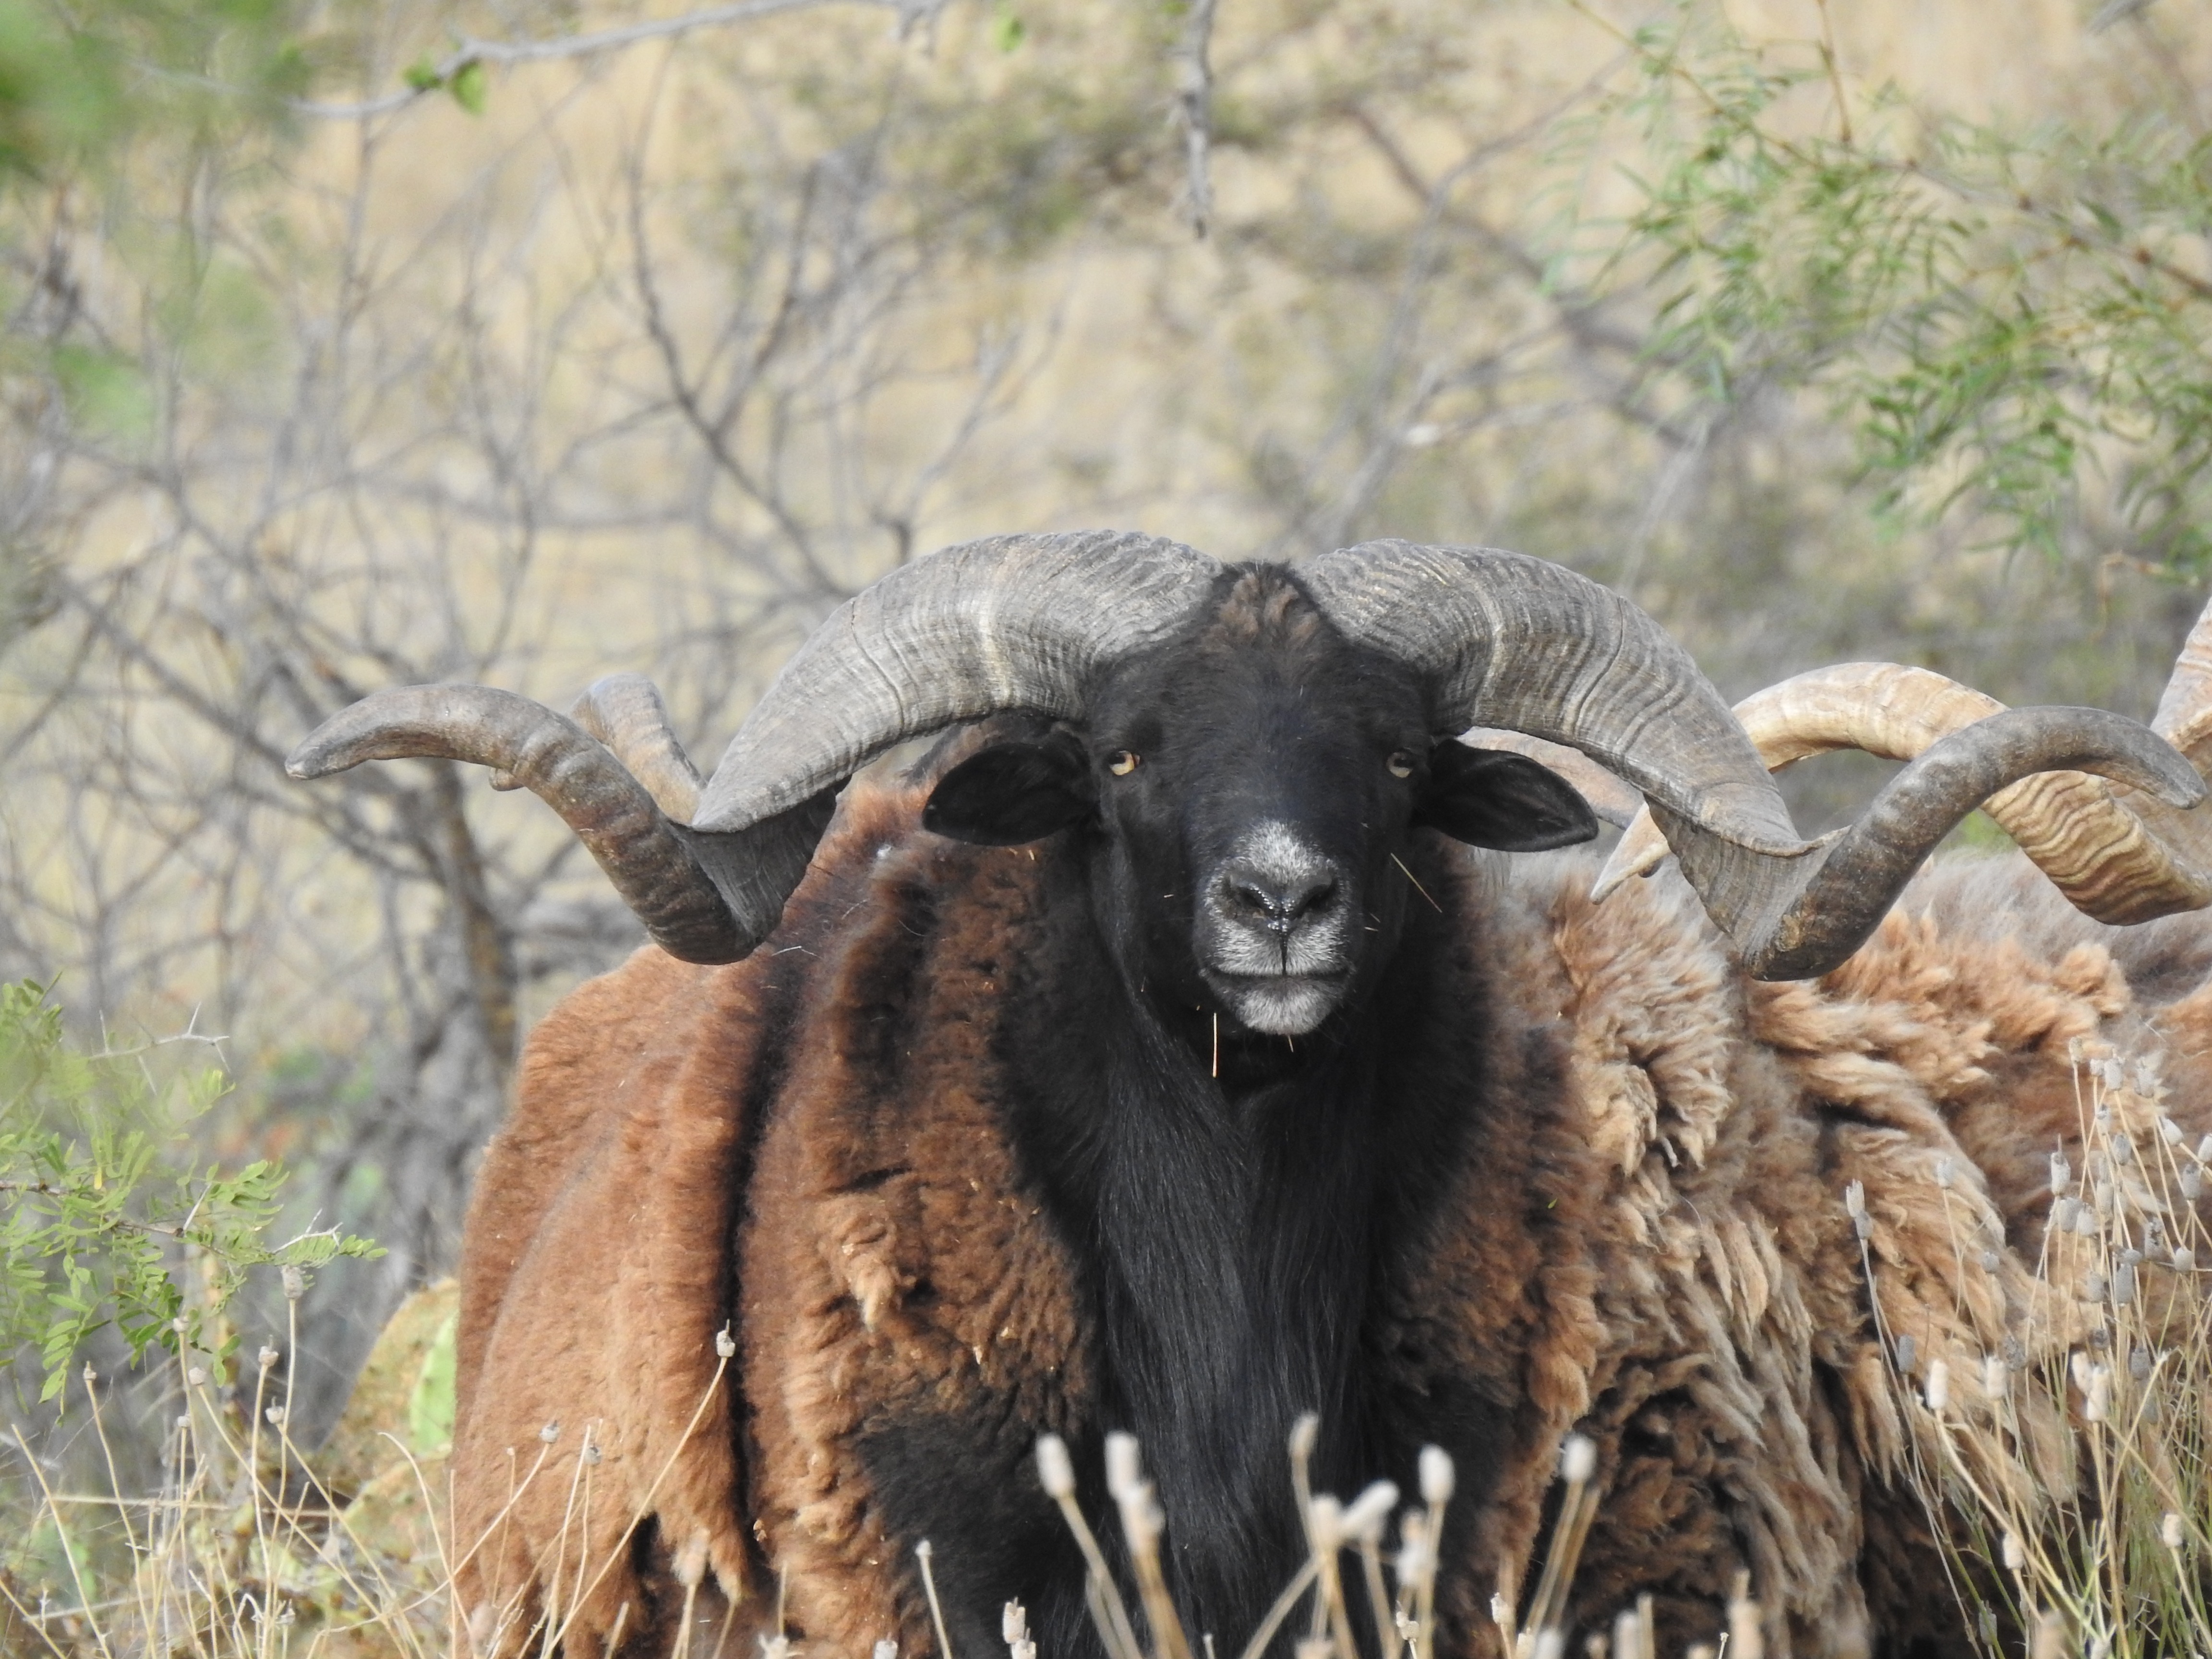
(311, 760)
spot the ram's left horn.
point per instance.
(2119, 854)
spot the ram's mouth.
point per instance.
(1280, 1005)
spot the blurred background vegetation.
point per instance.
(353, 342)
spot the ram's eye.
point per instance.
(1400, 763)
(1121, 763)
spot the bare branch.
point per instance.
(471, 52)
(1194, 109)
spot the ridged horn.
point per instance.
(1011, 621)
(1523, 645)
(644, 855)
(625, 712)
(1799, 920)
(1513, 642)
(2115, 853)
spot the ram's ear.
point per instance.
(1491, 798)
(1013, 792)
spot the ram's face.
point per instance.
(1255, 783)
(1248, 790)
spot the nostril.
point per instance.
(1252, 897)
(1279, 905)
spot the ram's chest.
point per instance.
(895, 1272)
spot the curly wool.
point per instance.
(1647, 1242)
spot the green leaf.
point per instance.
(1007, 30)
(422, 75)
(467, 86)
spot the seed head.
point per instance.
(196, 1378)
(725, 1346)
(550, 1432)
(1995, 1376)
(295, 1284)
(1906, 1352)
(268, 1357)
(1369, 1512)
(1436, 1475)
(2062, 1172)
(886, 1650)
(2085, 1218)
(2098, 1402)
(275, 1416)
(2094, 1286)
(1416, 1561)
(1055, 1467)
(2184, 1259)
(1939, 1386)
(1124, 1469)
(2169, 1531)
(691, 1561)
(1992, 1262)
(2015, 1553)
(1855, 1197)
(1578, 1459)
(2169, 1131)
(1014, 1623)
(1304, 1433)
(2139, 1364)
(593, 1454)
(1943, 1173)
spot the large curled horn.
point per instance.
(1512, 643)
(532, 747)
(1010, 622)
(2117, 853)
(1013, 621)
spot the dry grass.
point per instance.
(246, 1551)
(243, 1549)
(2071, 1463)
(2068, 1470)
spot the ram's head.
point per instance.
(1246, 745)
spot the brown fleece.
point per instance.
(1648, 1242)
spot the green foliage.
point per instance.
(99, 1207)
(78, 82)
(2016, 325)
(467, 86)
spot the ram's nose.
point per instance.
(1277, 899)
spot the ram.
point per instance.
(1200, 1034)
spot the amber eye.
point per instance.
(1400, 763)
(1121, 763)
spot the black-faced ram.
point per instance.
(1200, 1035)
